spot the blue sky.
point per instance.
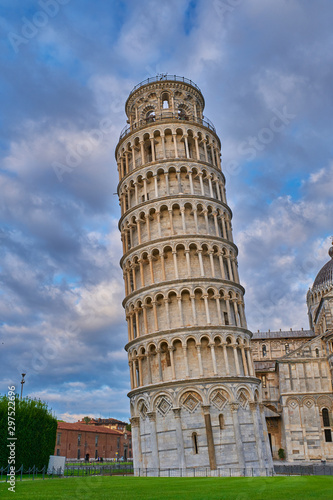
(266, 72)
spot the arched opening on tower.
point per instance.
(165, 100)
(150, 116)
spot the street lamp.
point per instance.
(22, 382)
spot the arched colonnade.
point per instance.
(183, 308)
(190, 357)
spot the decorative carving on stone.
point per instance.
(176, 412)
(135, 421)
(253, 405)
(163, 405)
(324, 402)
(218, 399)
(308, 402)
(143, 409)
(152, 416)
(243, 399)
(190, 401)
(206, 409)
(293, 403)
(234, 406)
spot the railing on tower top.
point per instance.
(159, 78)
(166, 116)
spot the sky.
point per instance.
(67, 67)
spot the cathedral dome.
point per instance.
(325, 275)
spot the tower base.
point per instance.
(214, 428)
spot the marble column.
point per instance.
(238, 435)
(136, 444)
(155, 461)
(210, 438)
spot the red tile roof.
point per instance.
(68, 426)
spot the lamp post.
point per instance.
(22, 382)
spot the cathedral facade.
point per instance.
(295, 368)
(195, 400)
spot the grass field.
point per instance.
(139, 488)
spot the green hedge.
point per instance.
(35, 430)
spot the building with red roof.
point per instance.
(77, 440)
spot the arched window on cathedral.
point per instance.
(195, 443)
(286, 347)
(317, 352)
(263, 381)
(264, 351)
(326, 417)
(326, 423)
(328, 435)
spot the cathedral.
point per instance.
(295, 368)
(205, 391)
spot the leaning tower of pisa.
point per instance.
(195, 401)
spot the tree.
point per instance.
(86, 419)
(35, 431)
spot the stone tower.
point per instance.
(195, 400)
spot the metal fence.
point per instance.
(204, 472)
(164, 77)
(304, 470)
(77, 470)
(166, 117)
(80, 470)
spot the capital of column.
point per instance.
(206, 409)
(152, 416)
(253, 405)
(234, 406)
(135, 421)
(176, 412)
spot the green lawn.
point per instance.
(137, 488)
